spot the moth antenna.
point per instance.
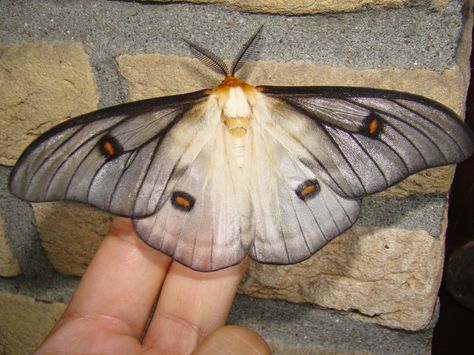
(246, 52)
(210, 59)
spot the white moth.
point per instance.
(212, 176)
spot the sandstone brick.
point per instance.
(388, 276)
(400, 237)
(70, 233)
(153, 75)
(302, 7)
(42, 84)
(25, 322)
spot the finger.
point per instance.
(192, 304)
(233, 339)
(122, 282)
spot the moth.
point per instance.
(212, 176)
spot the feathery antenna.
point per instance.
(218, 65)
(210, 59)
(246, 52)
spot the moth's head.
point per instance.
(218, 65)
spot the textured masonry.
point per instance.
(386, 270)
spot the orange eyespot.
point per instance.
(182, 200)
(373, 125)
(307, 189)
(110, 147)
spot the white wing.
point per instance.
(215, 232)
(291, 222)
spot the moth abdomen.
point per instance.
(238, 126)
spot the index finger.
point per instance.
(192, 305)
(122, 281)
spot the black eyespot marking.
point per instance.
(373, 125)
(307, 189)
(182, 201)
(110, 147)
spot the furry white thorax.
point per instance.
(236, 104)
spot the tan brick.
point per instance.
(144, 73)
(9, 265)
(70, 233)
(25, 322)
(299, 7)
(42, 84)
(389, 276)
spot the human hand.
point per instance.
(110, 310)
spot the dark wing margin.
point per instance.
(101, 158)
(371, 139)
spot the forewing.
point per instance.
(203, 222)
(295, 211)
(364, 140)
(108, 158)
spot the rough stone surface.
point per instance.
(9, 265)
(25, 322)
(303, 7)
(288, 328)
(306, 329)
(377, 38)
(144, 75)
(430, 181)
(405, 38)
(42, 85)
(415, 212)
(390, 277)
(70, 234)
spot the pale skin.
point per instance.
(110, 309)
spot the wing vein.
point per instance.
(433, 123)
(357, 141)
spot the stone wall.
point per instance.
(61, 59)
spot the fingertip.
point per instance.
(233, 339)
